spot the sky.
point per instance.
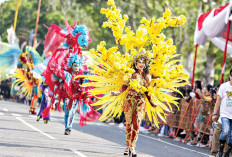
(1, 1)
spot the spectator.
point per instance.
(206, 91)
(224, 102)
(198, 92)
(198, 89)
(5, 88)
(187, 96)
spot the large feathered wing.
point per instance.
(115, 65)
(22, 81)
(37, 59)
(111, 69)
(27, 78)
(8, 59)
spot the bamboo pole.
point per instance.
(36, 24)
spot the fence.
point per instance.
(193, 117)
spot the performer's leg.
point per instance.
(32, 108)
(44, 104)
(66, 112)
(72, 114)
(128, 116)
(136, 120)
(42, 107)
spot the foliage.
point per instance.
(88, 12)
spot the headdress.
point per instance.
(143, 55)
(74, 58)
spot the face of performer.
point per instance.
(141, 64)
(75, 67)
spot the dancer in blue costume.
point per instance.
(44, 101)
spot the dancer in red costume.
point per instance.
(65, 64)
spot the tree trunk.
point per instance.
(189, 62)
(210, 63)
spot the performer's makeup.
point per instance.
(141, 64)
(75, 67)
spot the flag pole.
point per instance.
(225, 50)
(16, 14)
(36, 24)
(194, 65)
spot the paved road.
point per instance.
(22, 136)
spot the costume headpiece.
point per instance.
(142, 56)
(76, 35)
(74, 58)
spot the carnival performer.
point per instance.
(26, 78)
(64, 65)
(139, 75)
(43, 90)
(34, 98)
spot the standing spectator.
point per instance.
(13, 91)
(5, 88)
(206, 91)
(198, 89)
(224, 101)
(198, 92)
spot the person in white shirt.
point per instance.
(224, 102)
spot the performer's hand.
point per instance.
(114, 94)
(214, 118)
(153, 104)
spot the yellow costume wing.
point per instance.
(110, 76)
(22, 81)
(26, 78)
(115, 65)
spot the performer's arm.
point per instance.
(148, 80)
(124, 86)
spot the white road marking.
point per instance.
(32, 116)
(16, 115)
(173, 145)
(20, 119)
(4, 109)
(78, 153)
(1, 113)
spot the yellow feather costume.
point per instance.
(113, 66)
(26, 78)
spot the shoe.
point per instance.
(221, 148)
(32, 111)
(160, 135)
(193, 143)
(228, 150)
(126, 152)
(202, 145)
(38, 118)
(183, 132)
(133, 153)
(46, 121)
(67, 132)
(172, 134)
